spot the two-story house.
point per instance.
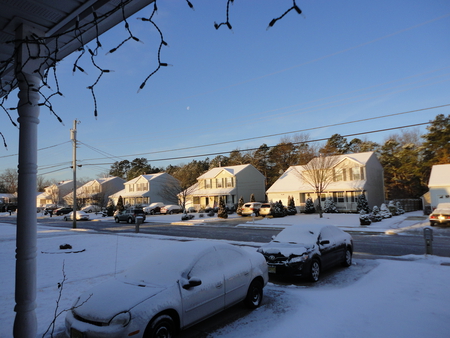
(54, 194)
(346, 178)
(147, 189)
(97, 191)
(228, 183)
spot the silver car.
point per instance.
(175, 287)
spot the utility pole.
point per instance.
(73, 137)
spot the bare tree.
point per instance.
(318, 173)
(9, 179)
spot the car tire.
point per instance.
(432, 224)
(347, 258)
(162, 326)
(254, 295)
(66, 219)
(314, 271)
(129, 220)
(117, 219)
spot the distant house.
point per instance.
(229, 183)
(7, 200)
(352, 174)
(147, 189)
(439, 184)
(97, 191)
(54, 194)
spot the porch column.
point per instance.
(25, 323)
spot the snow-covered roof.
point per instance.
(440, 175)
(233, 170)
(125, 193)
(148, 177)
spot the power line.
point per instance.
(279, 134)
(251, 149)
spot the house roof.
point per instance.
(440, 175)
(148, 177)
(233, 170)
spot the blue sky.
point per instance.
(338, 62)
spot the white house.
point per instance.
(54, 194)
(147, 189)
(439, 184)
(351, 175)
(229, 183)
(97, 191)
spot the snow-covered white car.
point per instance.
(91, 208)
(251, 208)
(153, 208)
(81, 216)
(440, 215)
(306, 250)
(175, 287)
(171, 209)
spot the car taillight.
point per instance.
(433, 216)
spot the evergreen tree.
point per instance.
(309, 206)
(436, 145)
(252, 198)
(120, 206)
(222, 212)
(278, 209)
(362, 203)
(291, 210)
(330, 206)
(240, 205)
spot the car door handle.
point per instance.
(219, 285)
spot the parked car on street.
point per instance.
(171, 209)
(175, 287)
(265, 209)
(153, 208)
(62, 211)
(251, 208)
(81, 216)
(91, 208)
(129, 215)
(440, 215)
(308, 249)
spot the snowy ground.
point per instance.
(373, 298)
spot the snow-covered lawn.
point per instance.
(372, 298)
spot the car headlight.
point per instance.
(121, 319)
(298, 259)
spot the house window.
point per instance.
(338, 197)
(207, 184)
(219, 183)
(229, 182)
(338, 175)
(357, 173)
(302, 197)
(196, 200)
(131, 187)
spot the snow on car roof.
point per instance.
(166, 265)
(299, 233)
(442, 208)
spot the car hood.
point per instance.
(104, 301)
(286, 249)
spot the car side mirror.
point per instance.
(324, 242)
(193, 282)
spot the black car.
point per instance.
(62, 211)
(306, 250)
(129, 215)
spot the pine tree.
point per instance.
(362, 203)
(291, 210)
(309, 206)
(222, 212)
(120, 206)
(329, 206)
(240, 205)
(278, 209)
